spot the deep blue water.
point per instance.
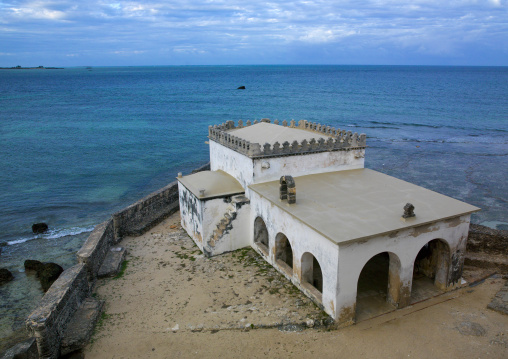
(79, 144)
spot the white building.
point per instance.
(300, 196)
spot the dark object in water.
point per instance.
(49, 273)
(32, 264)
(241, 88)
(5, 275)
(46, 272)
(39, 228)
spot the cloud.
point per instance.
(202, 29)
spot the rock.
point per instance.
(309, 323)
(241, 88)
(31, 264)
(26, 349)
(487, 240)
(39, 228)
(49, 273)
(5, 275)
(175, 328)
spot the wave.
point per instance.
(53, 234)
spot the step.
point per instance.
(241, 199)
(81, 326)
(112, 263)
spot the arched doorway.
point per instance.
(312, 276)
(261, 235)
(377, 286)
(284, 253)
(430, 270)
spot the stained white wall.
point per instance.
(321, 162)
(248, 171)
(302, 239)
(231, 162)
(237, 236)
(191, 214)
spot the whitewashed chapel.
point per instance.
(347, 236)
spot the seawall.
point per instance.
(48, 322)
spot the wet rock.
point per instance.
(39, 228)
(487, 240)
(241, 88)
(5, 276)
(26, 349)
(31, 264)
(49, 273)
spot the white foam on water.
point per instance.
(54, 234)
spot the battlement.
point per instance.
(332, 139)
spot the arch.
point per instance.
(312, 274)
(287, 189)
(379, 287)
(284, 253)
(261, 238)
(430, 270)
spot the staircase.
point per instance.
(225, 223)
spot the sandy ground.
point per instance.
(171, 302)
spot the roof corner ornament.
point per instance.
(287, 189)
(408, 211)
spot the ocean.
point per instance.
(78, 144)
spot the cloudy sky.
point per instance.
(196, 32)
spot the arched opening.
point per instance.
(312, 276)
(430, 270)
(284, 253)
(377, 288)
(261, 235)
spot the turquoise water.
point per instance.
(79, 144)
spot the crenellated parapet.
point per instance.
(332, 139)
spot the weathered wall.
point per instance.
(147, 212)
(231, 162)
(48, 321)
(213, 211)
(191, 215)
(303, 239)
(307, 164)
(235, 234)
(95, 248)
(248, 171)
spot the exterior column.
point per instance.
(399, 283)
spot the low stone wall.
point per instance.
(48, 322)
(149, 211)
(94, 250)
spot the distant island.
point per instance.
(31, 68)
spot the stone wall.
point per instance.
(48, 322)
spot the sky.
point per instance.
(236, 32)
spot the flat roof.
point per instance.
(215, 183)
(354, 204)
(269, 133)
